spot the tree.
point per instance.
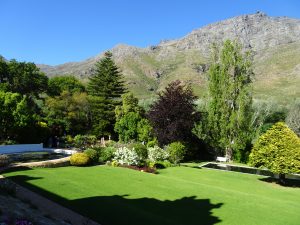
(293, 118)
(15, 114)
(26, 78)
(129, 104)
(105, 88)
(68, 111)
(3, 74)
(130, 124)
(278, 150)
(174, 113)
(227, 125)
(57, 85)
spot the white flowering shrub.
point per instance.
(157, 154)
(126, 156)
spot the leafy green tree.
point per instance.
(15, 114)
(57, 85)
(69, 111)
(130, 124)
(26, 78)
(145, 131)
(278, 150)
(105, 88)
(174, 113)
(227, 125)
(129, 104)
(3, 74)
(127, 125)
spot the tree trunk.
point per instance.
(282, 179)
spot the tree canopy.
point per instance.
(174, 113)
(227, 125)
(105, 88)
(57, 85)
(278, 150)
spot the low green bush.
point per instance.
(152, 143)
(141, 150)
(79, 159)
(106, 154)
(160, 164)
(176, 152)
(83, 141)
(92, 154)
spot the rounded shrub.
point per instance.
(127, 156)
(176, 152)
(79, 159)
(141, 150)
(157, 154)
(92, 154)
(278, 150)
(106, 154)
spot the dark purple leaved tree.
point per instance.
(174, 113)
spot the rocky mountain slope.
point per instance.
(275, 42)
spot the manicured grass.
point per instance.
(178, 195)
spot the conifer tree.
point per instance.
(226, 126)
(278, 150)
(105, 88)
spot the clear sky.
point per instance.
(58, 31)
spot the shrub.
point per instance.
(106, 154)
(4, 160)
(79, 159)
(152, 143)
(126, 156)
(141, 150)
(114, 164)
(157, 154)
(110, 143)
(278, 150)
(176, 152)
(83, 141)
(92, 154)
(160, 164)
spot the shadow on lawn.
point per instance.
(124, 210)
(288, 182)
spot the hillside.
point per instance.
(275, 42)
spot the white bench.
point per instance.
(221, 159)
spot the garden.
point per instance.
(148, 165)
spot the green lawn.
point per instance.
(177, 195)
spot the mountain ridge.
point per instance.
(275, 42)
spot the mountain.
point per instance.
(275, 42)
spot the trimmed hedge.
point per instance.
(79, 159)
(92, 154)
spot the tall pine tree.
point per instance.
(227, 126)
(105, 88)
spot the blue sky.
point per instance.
(58, 31)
